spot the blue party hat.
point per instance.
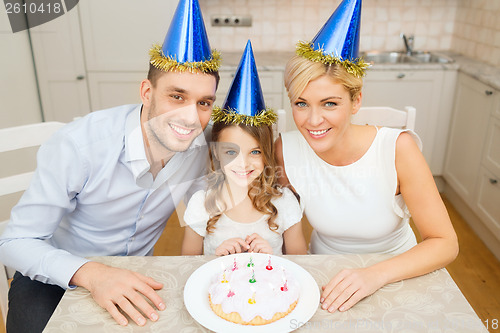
(186, 45)
(245, 102)
(338, 40)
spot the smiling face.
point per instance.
(322, 113)
(240, 156)
(176, 109)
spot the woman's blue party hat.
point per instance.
(338, 40)
(186, 45)
(245, 102)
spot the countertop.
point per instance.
(276, 61)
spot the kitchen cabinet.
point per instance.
(112, 89)
(60, 68)
(472, 167)
(488, 199)
(473, 107)
(87, 61)
(271, 82)
(429, 91)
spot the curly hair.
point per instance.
(262, 189)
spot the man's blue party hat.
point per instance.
(338, 40)
(245, 102)
(186, 45)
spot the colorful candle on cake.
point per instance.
(230, 292)
(285, 287)
(269, 266)
(235, 267)
(224, 280)
(252, 299)
(252, 279)
(250, 263)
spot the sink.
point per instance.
(431, 57)
(387, 57)
(398, 57)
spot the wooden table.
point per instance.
(430, 303)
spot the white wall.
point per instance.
(18, 93)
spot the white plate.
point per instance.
(196, 296)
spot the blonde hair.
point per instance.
(300, 71)
(261, 191)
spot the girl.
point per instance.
(243, 209)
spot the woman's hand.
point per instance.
(231, 246)
(349, 287)
(258, 244)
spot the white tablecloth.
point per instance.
(430, 303)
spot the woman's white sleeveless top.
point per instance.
(352, 208)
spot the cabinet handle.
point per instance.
(488, 92)
(401, 75)
(493, 181)
(80, 77)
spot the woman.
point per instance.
(358, 184)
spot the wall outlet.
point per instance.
(231, 21)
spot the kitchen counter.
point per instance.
(269, 61)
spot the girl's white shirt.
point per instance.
(196, 217)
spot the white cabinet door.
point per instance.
(488, 201)
(491, 153)
(18, 91)
(112, 89)
(471, 113)
(488, 198)
(118, 34)
(420, 89)
(60, 67)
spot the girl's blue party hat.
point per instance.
(244, 101)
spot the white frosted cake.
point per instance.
(253, 293)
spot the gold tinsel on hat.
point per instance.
(355, 67)
(265, 117)
(167, 63)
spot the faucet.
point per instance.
(408, 43)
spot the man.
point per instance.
(106, 184)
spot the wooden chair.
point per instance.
(386, 116)
(18, 147)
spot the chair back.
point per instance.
(18, 147)
(386, 116)
(280, 125)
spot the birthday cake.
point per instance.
(253, 293)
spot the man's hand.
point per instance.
(114, 288)
(258, 244)
(231, 246)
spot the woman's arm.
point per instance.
(439, 244)
(294, 240)
(192, 244)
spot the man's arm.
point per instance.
(51, 195)
(60, 176)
